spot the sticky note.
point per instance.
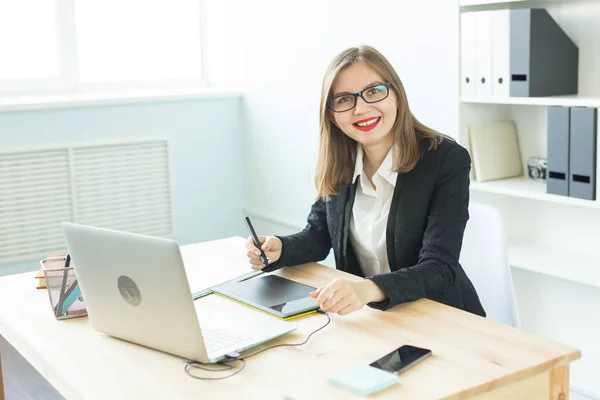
(364, 379)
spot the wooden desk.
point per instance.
(472, 356)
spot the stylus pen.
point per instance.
(263, 256)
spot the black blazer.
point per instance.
(425, 229)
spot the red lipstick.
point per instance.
(367, 127)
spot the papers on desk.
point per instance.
(240, 278)
(41, 280)
(212, 272)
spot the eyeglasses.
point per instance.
(346, 102)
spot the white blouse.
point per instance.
(370, 214)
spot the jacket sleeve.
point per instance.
(310, 245)
(437, 264)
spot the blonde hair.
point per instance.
(337, 151)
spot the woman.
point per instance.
(392, 197)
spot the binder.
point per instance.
(583, 153)
(543, 59)
(483, 53)
(500, 44)
(467, 54)
(557, 181)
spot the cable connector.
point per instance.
(234, 355)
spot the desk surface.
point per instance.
(472, 356)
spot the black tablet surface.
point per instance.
(273, 294)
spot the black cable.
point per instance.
(196, 364)
(287, 344)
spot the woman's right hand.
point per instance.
(271, 245)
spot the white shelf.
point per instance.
(468, 3)
(526, 188)
(553, 261)
(566, 101)
(524, 204)
(509, 3)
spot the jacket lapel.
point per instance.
(338, 219)
(347, 216)
(335, 221)
(392, 219)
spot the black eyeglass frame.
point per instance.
(360, 94)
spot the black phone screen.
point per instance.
(401, 358)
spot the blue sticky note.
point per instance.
(364, 379)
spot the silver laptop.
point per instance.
(135, 288)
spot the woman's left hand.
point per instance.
(341, 297)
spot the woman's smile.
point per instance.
(367, 124)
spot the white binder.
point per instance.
(483, 54)
(500, 43)
(467, 54)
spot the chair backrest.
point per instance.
(484, 257)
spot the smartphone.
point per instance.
(401, 358)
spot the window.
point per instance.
(138, 40)
(28, 43)
(82, 44)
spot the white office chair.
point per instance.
(484, 257)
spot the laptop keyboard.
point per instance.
(217, 339)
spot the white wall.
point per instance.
(279, 52)
(286, 53)
(205, 138)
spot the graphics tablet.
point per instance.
(273, 294)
